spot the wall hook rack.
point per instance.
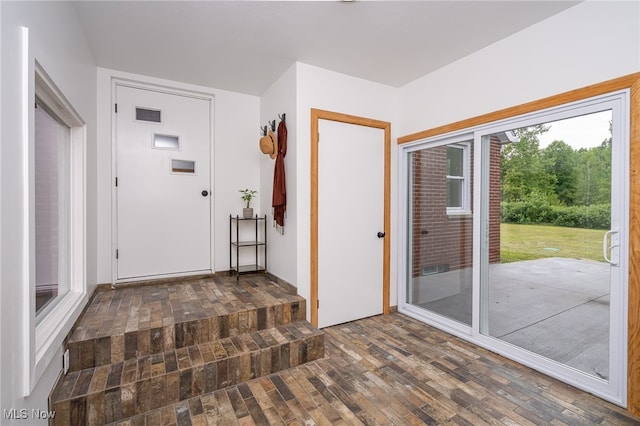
(282, 117)
(273, 125)
(263, 131)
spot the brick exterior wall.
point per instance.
(494, 201)
(441, 240)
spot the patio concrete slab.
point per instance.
(582, 276)
(556, 307)
(578, 337)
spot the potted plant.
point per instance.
(248, 195)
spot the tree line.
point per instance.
(556, 184)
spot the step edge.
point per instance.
(83, 352)
(95, 403)
(78, 373)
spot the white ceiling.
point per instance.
(244, 46)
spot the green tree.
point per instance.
(560, 161)
(523, 173)
(594, 175)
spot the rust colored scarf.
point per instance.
(279, 198)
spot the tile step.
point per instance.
(97, 351)
(111, 392)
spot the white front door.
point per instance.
(350, 215)
(163, 183)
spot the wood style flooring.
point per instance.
(393, 370)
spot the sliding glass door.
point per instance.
(548, 291)
(516, 239)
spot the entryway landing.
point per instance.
(140, 348)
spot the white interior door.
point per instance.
(163, 183)
(350, 215)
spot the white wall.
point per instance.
(327, 90)
(589, 43)
(56, 40)
(236, 161)
(280, 98)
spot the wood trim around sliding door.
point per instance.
(317, 115)
(631, 82)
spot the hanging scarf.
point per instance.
(279, 199)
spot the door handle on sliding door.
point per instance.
(607, 248)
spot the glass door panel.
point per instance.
(441, 230)
(545, 282)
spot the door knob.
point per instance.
(205, 193)
(381, 234)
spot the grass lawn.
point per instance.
(528, 242)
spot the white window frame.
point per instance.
(465, 208)
(46, 336)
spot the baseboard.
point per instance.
(155, 281)
(287, 286)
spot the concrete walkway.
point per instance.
(555, 307)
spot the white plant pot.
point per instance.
(247, 213)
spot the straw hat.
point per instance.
(269, 145)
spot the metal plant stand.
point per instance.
(236, 223)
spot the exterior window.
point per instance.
(56, 194)
(458, 179)
(51, 155)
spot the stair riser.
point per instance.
(122, 401)
(114, 349)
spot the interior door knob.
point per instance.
(205, 193)
(381, 234)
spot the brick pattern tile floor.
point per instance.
(393, 370)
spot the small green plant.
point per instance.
(248, 195)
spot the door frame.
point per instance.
(316, 116)
(135, 84)
(632, 83)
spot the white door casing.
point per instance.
(350, 215)
(163, 217)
